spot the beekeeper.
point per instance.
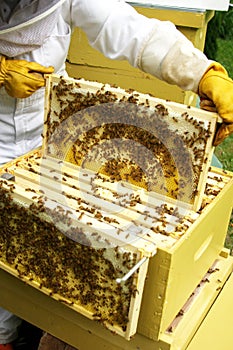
(34, 40)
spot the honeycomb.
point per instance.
(158, 145)
(74, 272)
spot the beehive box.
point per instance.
(40, 251)
(84, 217)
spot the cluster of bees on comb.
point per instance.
(76, 274)
(127, 139)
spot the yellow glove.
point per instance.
(21, 78)
(216, 93)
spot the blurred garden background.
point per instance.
(219, 47)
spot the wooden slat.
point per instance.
(141, 213)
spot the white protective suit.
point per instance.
(114, 28)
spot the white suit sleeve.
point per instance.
(156, 47)
(180, 63)
(113, 27)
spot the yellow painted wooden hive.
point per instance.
(122, 189)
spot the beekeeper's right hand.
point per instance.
(21, 78)
(216, 92)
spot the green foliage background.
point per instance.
(219, 39)
(219, 47)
